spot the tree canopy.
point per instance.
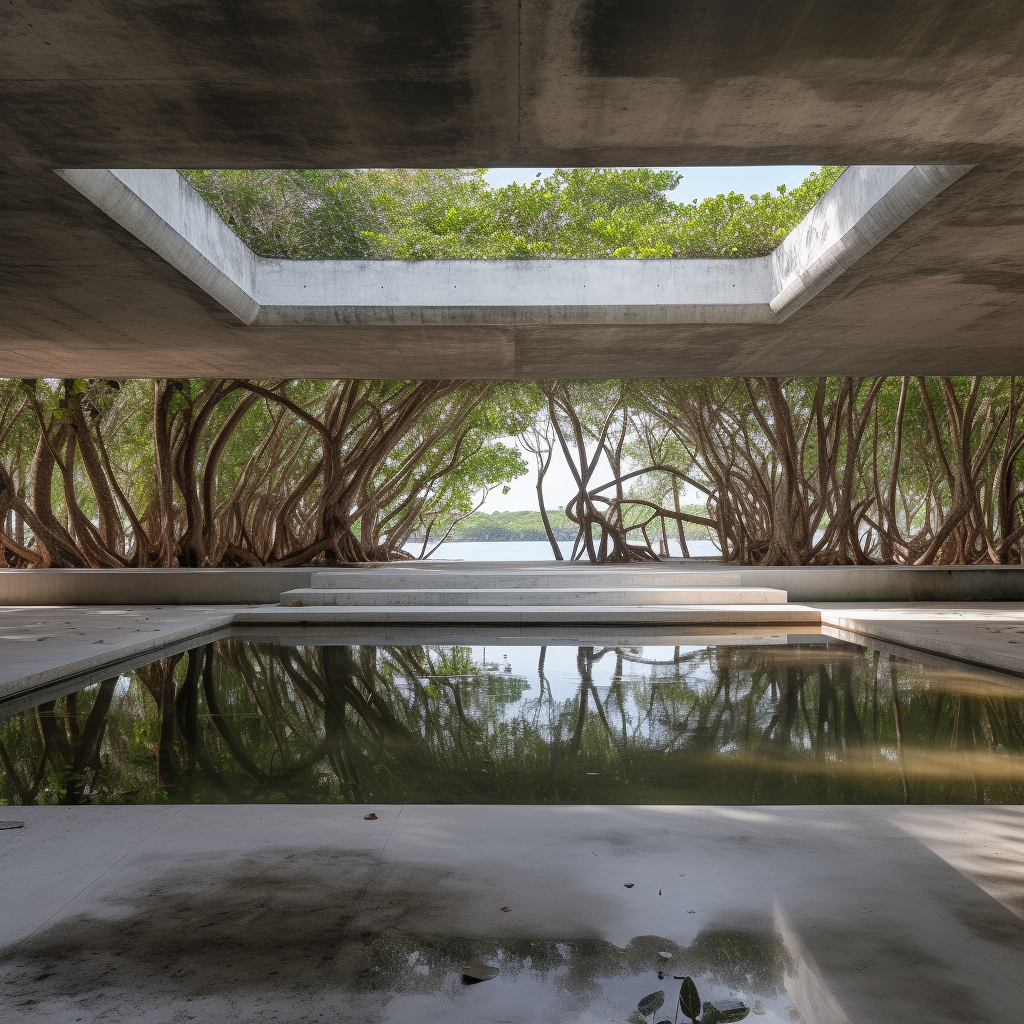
(579, 213)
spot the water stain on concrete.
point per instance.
(264, 935)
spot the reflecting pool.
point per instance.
(237, 720)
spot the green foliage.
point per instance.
(580, 213)
(200, 472)
(832, 470)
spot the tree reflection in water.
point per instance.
(240, 721)
(581, 978)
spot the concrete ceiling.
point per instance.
(134, 83)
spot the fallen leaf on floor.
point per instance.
(727, 1011)
(473, 973)
(370, 817)
(689, 1000)
(652, 1003)
(629, 885)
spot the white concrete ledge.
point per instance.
(865, 205)
(551, 596)
(540, 615)
(509, 576)
(162, 210)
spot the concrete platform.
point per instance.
(39, 646)
(513, 576)
(865, 915)
(550, 597)
(991, 635)
(610, 614)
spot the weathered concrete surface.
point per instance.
(42, 645)
(859, 914)
(487, 84)
(147, 586)
(991, 635)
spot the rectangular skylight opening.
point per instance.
(514, 213)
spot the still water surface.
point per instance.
(814, 720)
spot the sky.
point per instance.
(698, 183)
(559, 486)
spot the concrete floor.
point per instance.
(309, 912)
(860, 914)
(41, 645)
(826, 914)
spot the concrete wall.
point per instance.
(147, 586)
(892, 583)
(263, 586)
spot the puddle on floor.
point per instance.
(729, 720)
(575, 980)
(291, 929)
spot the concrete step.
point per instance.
(514, 578)
(507, 617)
(550, 597)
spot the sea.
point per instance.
(536, 550)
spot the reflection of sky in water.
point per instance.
(562, 671)
(535, 998)
(591, 982)
(686, 665)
